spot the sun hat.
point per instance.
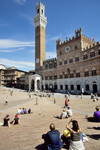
(66, 133)
(7, 116)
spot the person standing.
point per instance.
(66, 101)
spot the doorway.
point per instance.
(95, 88)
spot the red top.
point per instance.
(66, 102)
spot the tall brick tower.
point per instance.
(40, 22)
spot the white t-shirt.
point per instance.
(69, 113)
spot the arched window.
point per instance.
(72, 87)
(55, 87)
(46, 78)
(66, 75)
(55, 65)
(60, 63)
(66, 87)
(76, 59)
(78, 87)
(55, 76)
(65, 61)
(46, 66)
(77, 74)
(61, 87)
(87, 87)
(86, 73)
(94, 73)
(92, 53)
(50, 77)
(76, 47)
(50, 65)
(85, 56)
(71, 60)
(71, 75)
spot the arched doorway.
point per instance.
(66, 87)
(50, 87)
(87, 87)
(46, 86)
(38, 84)
(32, 85)
(42, 87)
(55, 86)
(95, 87)
(34, 82)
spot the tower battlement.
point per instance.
(92, 46)
(78, 34)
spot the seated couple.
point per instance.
(65, 114)
(8, 123)
(73, 140)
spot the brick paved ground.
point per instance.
(27, 136)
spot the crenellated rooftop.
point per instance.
(59, 41)
(50, 60)
(78, 34)
(92, 46)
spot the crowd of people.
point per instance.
(24, 111)
(6, 119)
(73, 137)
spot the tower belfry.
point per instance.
(40, 22)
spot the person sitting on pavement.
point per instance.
(6, 121)
(52, 139)
(24, 111)
(66, 138)
(63, 115)
(19, 111)
(95, 117)
(97, 114)
(69, 112)
(29, 111)
(76, 142)
(16, 120)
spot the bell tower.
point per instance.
(40, 22)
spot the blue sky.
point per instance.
(17, 30)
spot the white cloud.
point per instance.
(11, 50)
(23, 65)
(9, 43)
(20, 1)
